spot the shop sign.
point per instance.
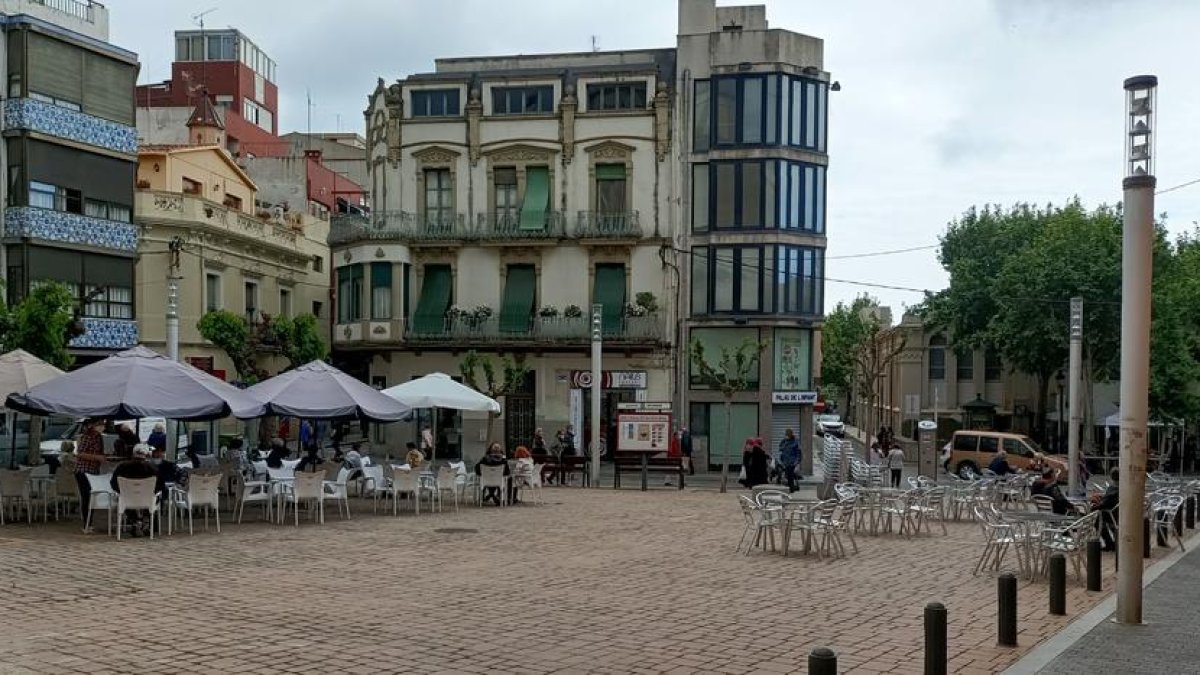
(794, 397)
(610, 379)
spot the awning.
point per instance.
(610, 172)
(537, 198)
(519, 291)
(609, 292)
(430, 316)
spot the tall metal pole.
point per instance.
(597, 392)
(1075, 394)
(173, 317)
(1136, 260)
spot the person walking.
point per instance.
(754, 463)
(789, 457)
(895, 462)
(685, 448)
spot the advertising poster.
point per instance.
(644, 432)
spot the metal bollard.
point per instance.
(1093, 566)
(822, 661)
(935, 639)
(1189, 515)
(1145, 537)
(1058, 584)
(1006, 615)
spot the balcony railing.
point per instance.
(196, 211)
(601, 225)
(72, 125)
(70, 228)
(77, 9)
(513, 225)
(405, 226)
(540, 330)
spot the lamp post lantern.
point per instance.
(1136, 258)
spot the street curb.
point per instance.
(1040, 656)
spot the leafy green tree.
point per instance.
(845, 329)
(231, 334)
(495, 384)
(297, 339)
(43, 323)
(729, 375)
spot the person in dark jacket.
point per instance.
(158, 438)
(754, 461)
(1048, 485)
(1107, 504)
(789, 457)
(685, 448)
(1000, 465)
(137, 467)
(493, 457)
(279, 452)
(311, 461)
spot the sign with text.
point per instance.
(794, 397)
(647, 406)
(610, 379)
(644, 432)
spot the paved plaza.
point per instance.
(593, 581)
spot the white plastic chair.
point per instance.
(492, 477)
(338, 491)
(101, 497)
(203, 490)
(255, 492)
(405, 481)
(15, 493)
(374, 484)
(136, 495)
(447, 481)
(66, 490)
(290, 464)
(308, 488)
(281, 481)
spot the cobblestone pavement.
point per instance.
(592, 581)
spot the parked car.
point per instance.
(144, 426)
(972, 452)
(830, 424)
(52, 431)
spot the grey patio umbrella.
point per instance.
(20, 371)
(318, 391)
(137, 383)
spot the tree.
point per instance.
(43, 324)
(231, 334)
(511, 377)
(297, 339)
(843, 331)
(730, 375)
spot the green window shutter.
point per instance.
(435, 300)
(537, 198)
(381, 275)
(610, 172)
(519, 291)
(609, 292)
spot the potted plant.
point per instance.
(572, 312)
(648, 302)
(633, 310)
(548, 312)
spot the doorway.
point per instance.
(520, 414)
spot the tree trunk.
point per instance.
(490, 425)
(34, 455)
(728, 440)
(1043, 395)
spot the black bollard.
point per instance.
(1058, 584)
(1189, 516)
(1006, 616)
(822, 661)
(1093, 566)
(935, 639)
(1145, 537)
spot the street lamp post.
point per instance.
(1060, 379)
(1075, 394)
(1136, 267)
(597, 392)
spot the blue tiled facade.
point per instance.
(107, 334)
(47, 118)
(72, 228)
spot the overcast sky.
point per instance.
(944, 104)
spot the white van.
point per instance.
(144, 426)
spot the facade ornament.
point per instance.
(474, 115)
(379, 253)
(662, 128)
(566, 122)
(395, 110)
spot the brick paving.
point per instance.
(593, 581)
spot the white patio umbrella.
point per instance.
(439, 390)
(21, 371)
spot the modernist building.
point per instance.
(752, 133)
(231, 255)
(69, 158)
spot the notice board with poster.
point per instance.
(644, 431)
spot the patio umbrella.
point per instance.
(19, 372)
(318, 391)
(438, 390)
(137, 383)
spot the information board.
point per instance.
(644, 431)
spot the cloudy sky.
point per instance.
(944, 104)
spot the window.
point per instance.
(726, 113)
(793, 359)
(798, 278)
(964, 364)
(520, 297)
(381, 290)
(70, 200)
(608, 290)
(937, 358)
(42, 195)
(992, 368)
(701, 117)
(435, 103)
(758, 109)
(700, 280)
(349, 293)
(716, 339)
(317, 306)
(107, 210)
(966, 442)
(439, 203)
(610, 190)
(285, 302)
(536, 201)
(743, 194)
(989, 444)
(108, 302)
(504, 184)
(738, 280)
(437, 292)
(530, 100)
(318, 263)
(233, 202)
(192, 187)
(616, 96)
(212, 292)
(251, 293)
(1015, 448)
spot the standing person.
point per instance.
(789, 457)
(877, 458)
(306, 435)
(158, 438)
(568, 440)
(895, 462)
(685, 447)
(754, 463)
(88, 458)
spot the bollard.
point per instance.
(935, 639)
(1189, 515)
(1145, 537)
(822, 661)
(1006, 616)
(1093, 565)
(1058, 584)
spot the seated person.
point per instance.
(158, 437)
(1047, 485)
(1108, 503)
(279, 452)
(353, 459)
(168, 471)
(494, 457)
(311, 461)
(1000, 465)
(414, 457)
(522, 473)
(137, 467)
(237, 456)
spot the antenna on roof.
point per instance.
(595, 44)
(309, 106)
(198, 19)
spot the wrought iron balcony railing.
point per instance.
(608, 225)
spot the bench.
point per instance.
(631, 462)
(563, 469)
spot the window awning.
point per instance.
(519, 291)
(609, 292)
(430, 316)
(537, 198)
(610, 172)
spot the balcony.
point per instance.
(514, 226)
(431, 229)
(608, 226)
(198, 213)
(541, 331)
(72, 125)
(70, 228)
(107, 334)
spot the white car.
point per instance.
(830, 424)
(52, 446)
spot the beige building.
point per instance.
(233, 256)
